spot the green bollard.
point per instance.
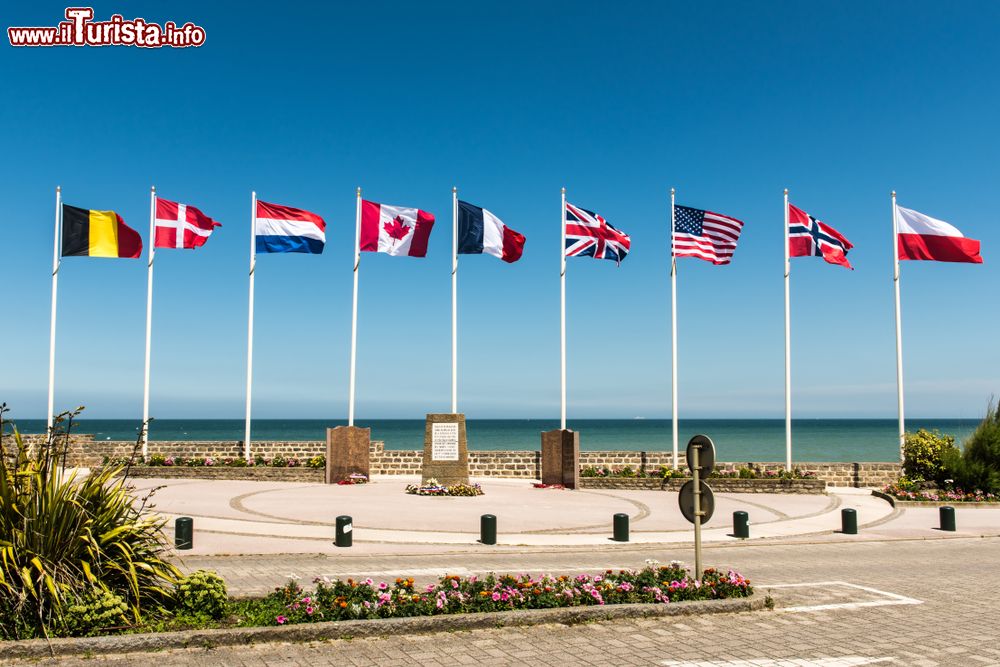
(849, 521)
(741, 525)
(488, 529)
(947, 515)
(621, 527)
(184, 532)
(345, 531)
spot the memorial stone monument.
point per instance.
(561, 458)
(446, 453)
(347, 452)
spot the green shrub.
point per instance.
(202, 593)
(924, 453)
(98, 609)
(977, 468)
(62, 536)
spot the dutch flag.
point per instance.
(285, 229)
(479, 231)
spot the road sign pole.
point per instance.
(697, 510)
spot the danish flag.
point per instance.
(590, 235)
(181, 226)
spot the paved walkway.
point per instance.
(916, 603)
(244, 517)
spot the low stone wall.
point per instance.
(87, 452)
(261, 474)
(718, 484)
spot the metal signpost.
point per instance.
(696, 500)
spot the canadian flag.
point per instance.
(181, 226)
(395, 230)
(923, 237)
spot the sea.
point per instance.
(735, 439)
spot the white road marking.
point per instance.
(845, 661)
(889, 598)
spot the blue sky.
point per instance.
(728, 102)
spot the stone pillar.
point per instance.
(446, 450)
(347, 452)
(561, 458)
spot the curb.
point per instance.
(328, 630)
(896, 502)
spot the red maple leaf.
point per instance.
(396, 229)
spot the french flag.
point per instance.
(479, 231)
(920, 236)
(286, 229)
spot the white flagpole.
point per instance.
(354, 311)
(673, 328)
(150, 254)
(899, 325)
(253, 265)
(562, 309)
(56, 245)
(454, 300)
(788, 352)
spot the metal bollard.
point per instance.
(488, 529)
(849, 521)
(947, 515)
(345, 531)
(184, 532)
(621, 527)
(741, 525)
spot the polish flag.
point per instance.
(180, 225)
(923, 237)
(395, 230)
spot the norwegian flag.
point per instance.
(181, 226)
(590, 235)
(808, 237)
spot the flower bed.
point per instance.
(749, 471)
(433, 488)
(901, 492)
(334, 599)
(253, 473)
(159, 460)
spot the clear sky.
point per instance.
(729, 102)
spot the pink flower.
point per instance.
(281, 620)
(454, 583)
(382, 586)
(309, 610)
(496, 596)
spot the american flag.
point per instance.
(590, 235)
(705, 235)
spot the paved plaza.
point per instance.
(901, 592)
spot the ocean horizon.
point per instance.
(735, 439)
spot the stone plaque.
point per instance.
(347, 452)
(444, 442)
(446, 453)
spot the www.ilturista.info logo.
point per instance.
(81, 30)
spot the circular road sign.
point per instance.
(686, 500)
(706, 454)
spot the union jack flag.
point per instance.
(590, 235)
(809, 237)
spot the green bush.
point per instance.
(97, 610)
(62, 536)
(978, 465)
(202, 593)
(924, 455)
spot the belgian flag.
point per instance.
(97, 234)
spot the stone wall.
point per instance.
(261, 474)
(718, 484)
(87, 452)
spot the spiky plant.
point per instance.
(64, 537)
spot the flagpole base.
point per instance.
(561, 458)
